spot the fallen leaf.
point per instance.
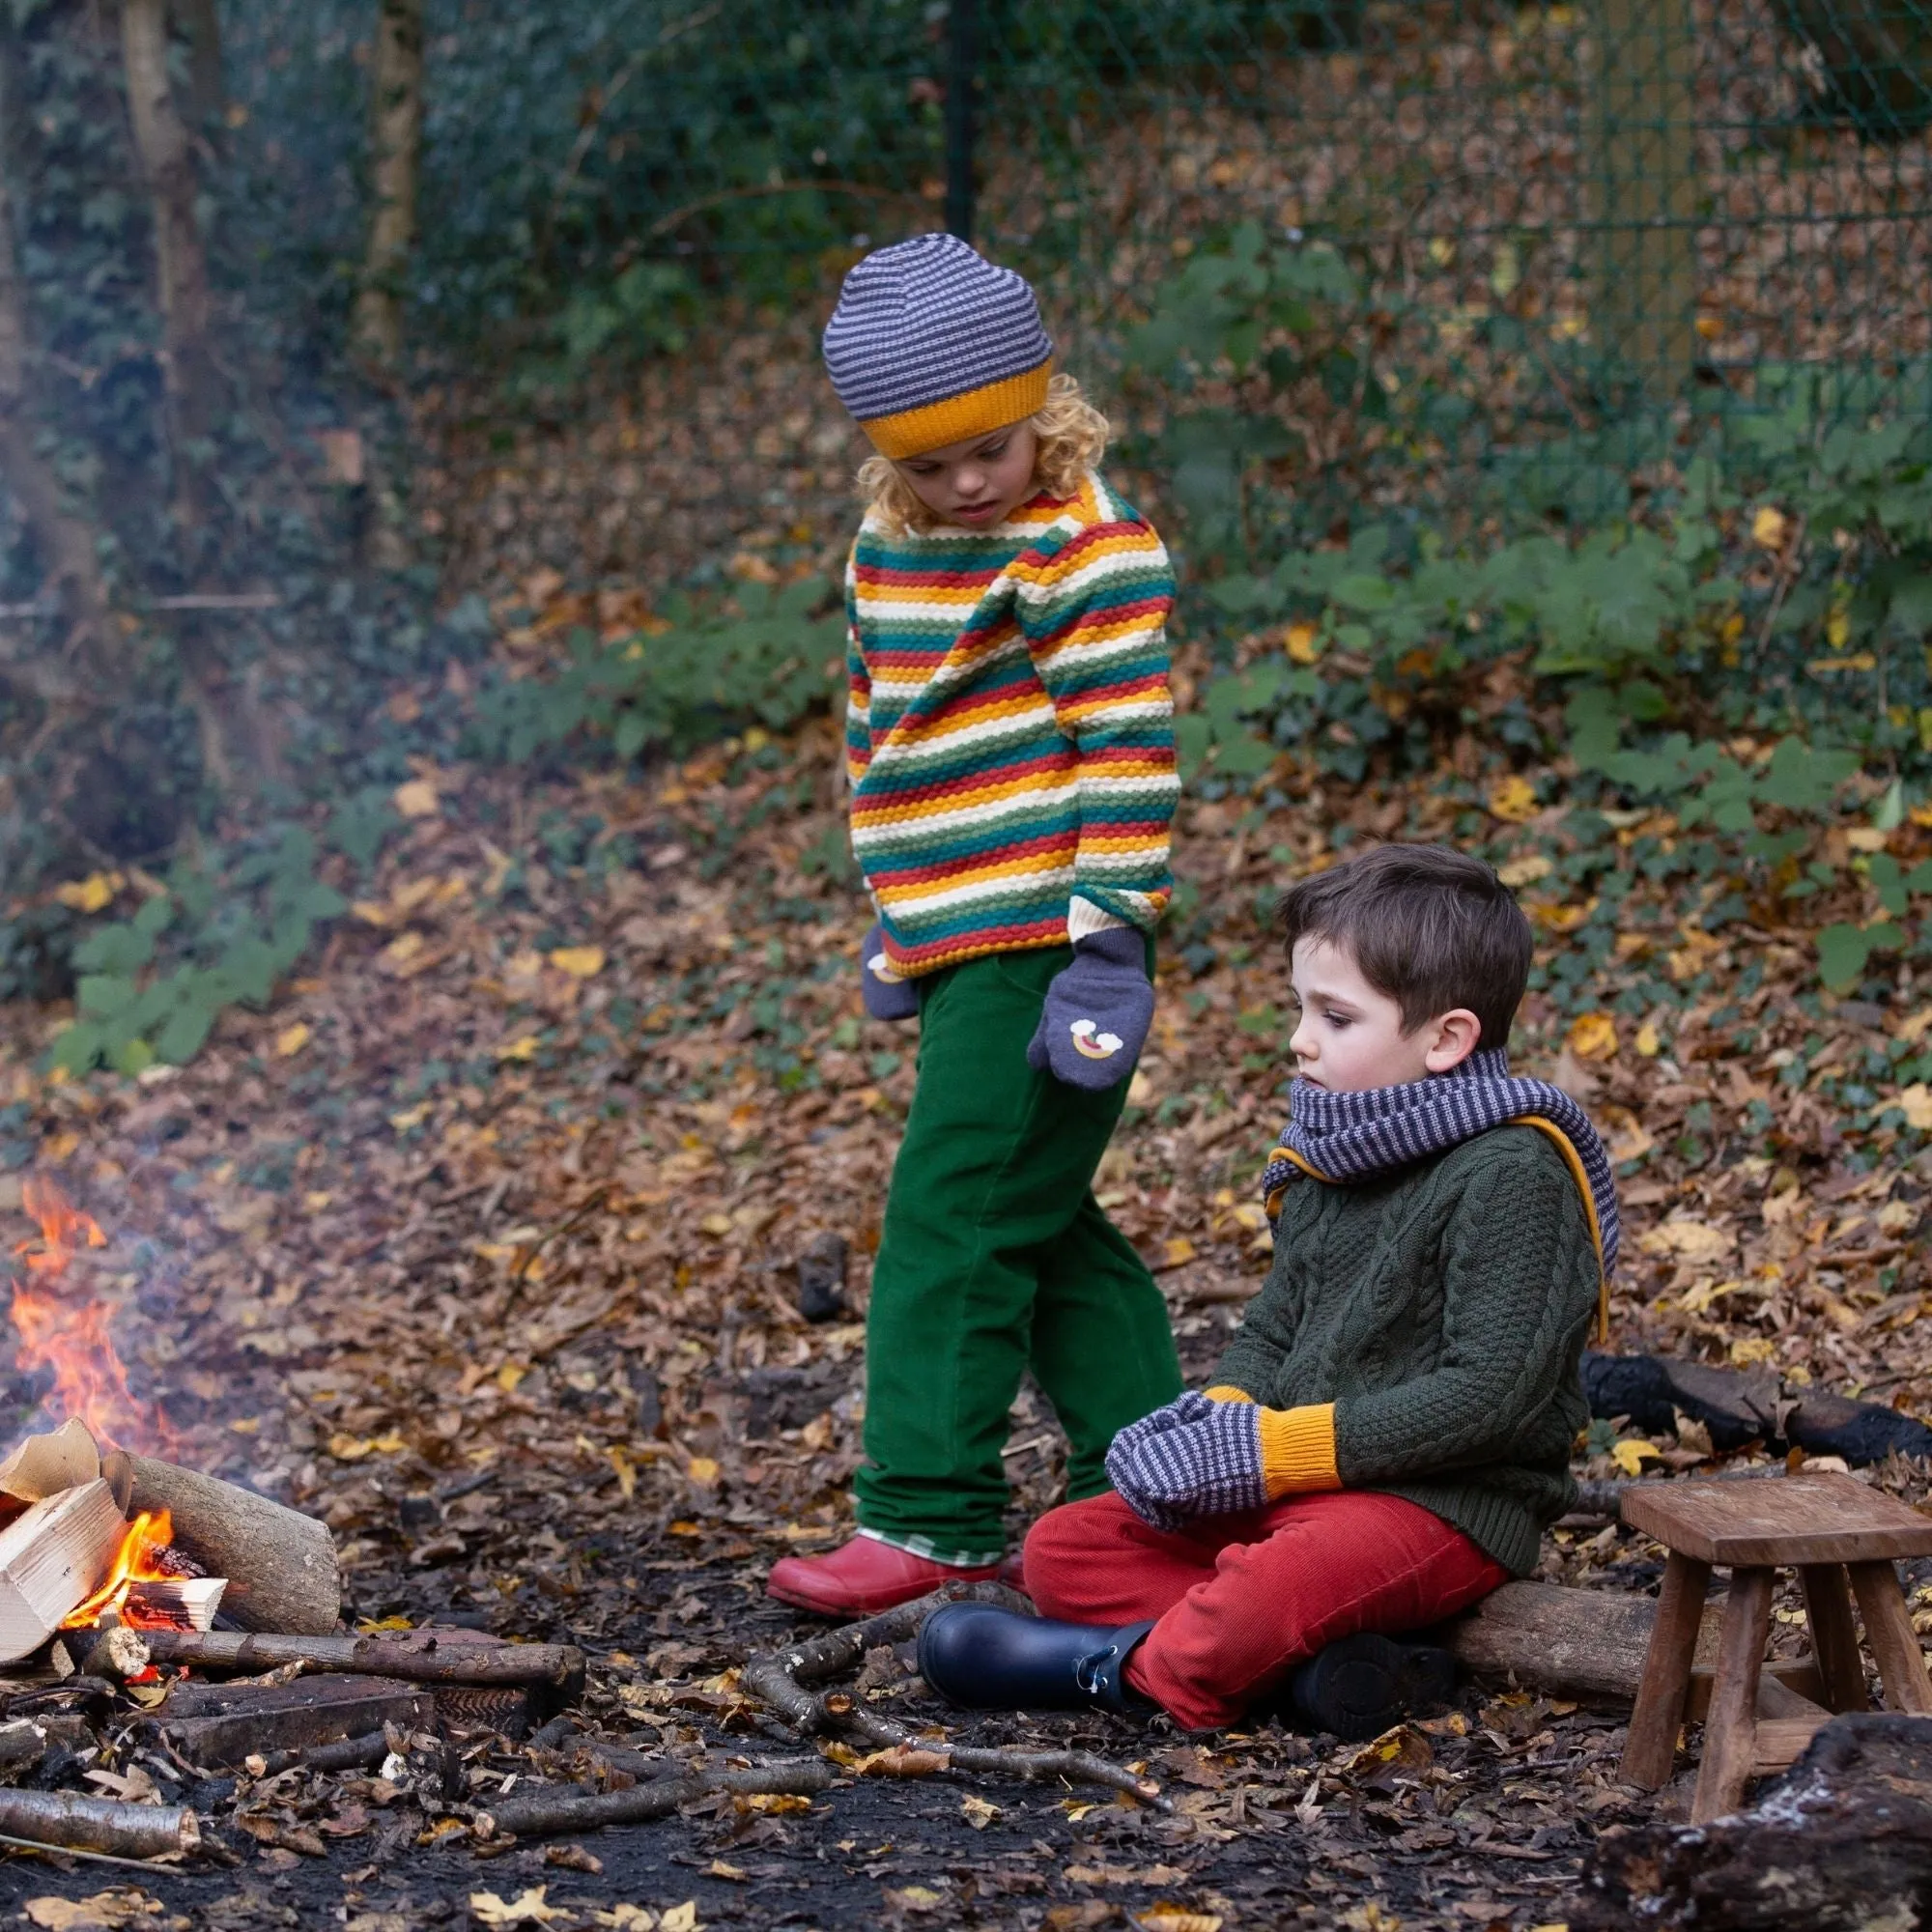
(915, 1898)
(1527, 870)
(1915, 1103)
(1647, 1042)
(291, 1040)
(1304, 644)
(523, 1047)
(1167, 1917)
(1514, 799)
(417, 799)
(902, 1761)
(978, 1812)
(1692, 1241)
(581, 962)
(122, 1905)
(717, 1868)
(1593, 1036)
(90, 894)
(681, 1918)
(1632, 1453)
(573, 1858)
(528, 1908)
(1768, 526)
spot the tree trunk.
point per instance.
(207, 89)
(396, 107)
(161, 141)
(63, 539)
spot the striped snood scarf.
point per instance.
(1360, 1136)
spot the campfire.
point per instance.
(131, 1587)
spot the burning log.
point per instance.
(538, 1814)
(422, 1658)
(79, 1823)
(51, 1559)
(280, 1565)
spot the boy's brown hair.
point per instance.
(1431, 928)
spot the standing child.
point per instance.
(1010, 750)
(1389, 1431)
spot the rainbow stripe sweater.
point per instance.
(1010, 731)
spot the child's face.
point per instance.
(978, 482)
(1349, 1037)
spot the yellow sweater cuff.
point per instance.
(1299, 1450)
(1226, 1392)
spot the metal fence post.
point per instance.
(962, 75)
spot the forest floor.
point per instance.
(482, 1244)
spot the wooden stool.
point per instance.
(1822, 1526)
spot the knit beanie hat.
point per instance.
(931, 344)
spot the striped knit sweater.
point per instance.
(1010, 732)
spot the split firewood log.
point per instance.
(1842, 1841)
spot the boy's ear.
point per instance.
(1454, 1036)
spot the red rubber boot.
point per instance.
(863, 1578)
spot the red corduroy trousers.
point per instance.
(1239, 1601)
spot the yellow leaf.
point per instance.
(627, 1474)
(1865, 839)
(1303, 642)
(1768, 526)
(1690, 1240)
(703, 1471)
(521, 1048)
(581, 962)
(528, 1908)
(409, 1116)
(349, 1448)
(1838, 629)
(417, 799)
(977, 1812)
(1632, 1453)
(1527, 870)
(681, 1918)
(1647, 1042)
(1514, 799)
(291, 1040)
(1170, 1917)
(718, 1226)
(1593, 1036)
(402, 950)
(373, 912)
(1916, 1103)
(916, 1898)
(1749, 1349)
(1176, 1252)
(91, 893)
(509, 1376)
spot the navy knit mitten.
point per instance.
(1193, 1457)
(888, 997)
(1098, 1013)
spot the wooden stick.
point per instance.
(542, 1812)
(420, 1659)
(70, 1819)
(778, 1680)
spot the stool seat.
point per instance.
(1842, 1538)
(1777, 1519)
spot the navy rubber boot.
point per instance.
(1359, 1686)
(983, 1658)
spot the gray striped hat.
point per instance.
(930, 344)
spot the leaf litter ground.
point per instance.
(483, 1245)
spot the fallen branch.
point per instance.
(69, 1819)
(420, 1659)
(540, 1814)
(359, 1753)
(780, 1681)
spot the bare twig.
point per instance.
(756, 190)
(540, 1813)
(780, 1679)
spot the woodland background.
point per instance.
(426, 923)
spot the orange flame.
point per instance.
(64, 1332)
(138, 1560)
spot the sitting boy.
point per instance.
(1390, 1429)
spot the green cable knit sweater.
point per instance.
(1442, 1310)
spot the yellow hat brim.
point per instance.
(934, 425)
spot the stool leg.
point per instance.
(1834, 1637)
(1666, 1673)
(1731, 1731)
(1894, 1643)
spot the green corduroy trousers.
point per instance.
(996, 1258)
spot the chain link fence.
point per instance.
(1579, 232)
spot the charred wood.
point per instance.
(1844, 1840)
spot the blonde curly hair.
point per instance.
(1073, 439)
